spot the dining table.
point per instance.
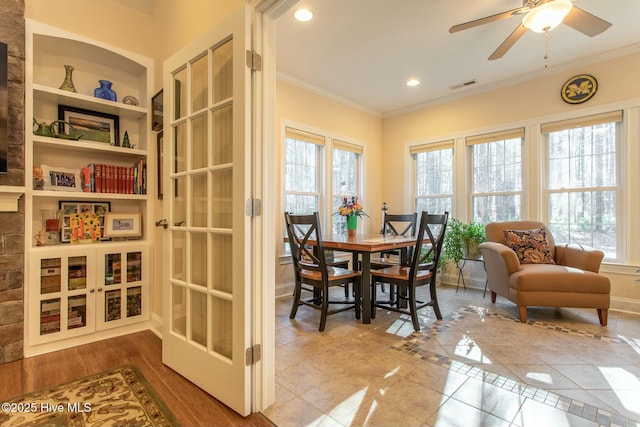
(362, 246)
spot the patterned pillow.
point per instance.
(531, 246)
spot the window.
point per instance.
(582, 182)
(433, 177)
(303, 164)
(310, 186)
(496, 178)
(345, 179)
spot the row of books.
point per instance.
(103, 178)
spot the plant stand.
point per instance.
(461, 276)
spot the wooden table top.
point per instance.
(366, 242)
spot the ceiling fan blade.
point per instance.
(508, 42)
(485, 20)
(585, 22)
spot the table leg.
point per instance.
(366, 287)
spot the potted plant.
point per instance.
(461, 240)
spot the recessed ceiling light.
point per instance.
(413, 82)
(303, 15)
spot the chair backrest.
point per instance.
(300, 230)
(406, 223)
(495, 231)
(426, 256)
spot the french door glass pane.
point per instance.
(222, 260)
(180, 148)
(179, 310)
(222, 71)
(199, 142)
(221, 339)
(198, 311)
(180, 206)
(199, 200)
(180, 85)
(222, 136)
(179, 256)
(221, 202)
(199, 80)
(198, 260)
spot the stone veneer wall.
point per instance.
(12, 32)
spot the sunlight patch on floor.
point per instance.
(540, 377)
(468, 349)
(625, 385)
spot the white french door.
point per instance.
(207, 139)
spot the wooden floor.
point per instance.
(190, 405)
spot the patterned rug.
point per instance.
(117, 397)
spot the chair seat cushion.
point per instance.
(558, 278)
(398, 272)
(334, 273)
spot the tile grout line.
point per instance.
(412, 345)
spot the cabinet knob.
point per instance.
(162, 223)
(99, 289)
(92, 290)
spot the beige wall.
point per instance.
(111, 22)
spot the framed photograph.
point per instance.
(157, 106)
(160, 158)
(91, 125)
(55, 178)
(70, 207)
(123, 224)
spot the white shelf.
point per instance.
(82, 195)
(57, 96)
(86, 147)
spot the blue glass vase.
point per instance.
(105, 91)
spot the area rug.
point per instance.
(117, 397)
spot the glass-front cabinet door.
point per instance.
(63, 294)
(122, 285)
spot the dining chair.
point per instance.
(420, 271)
(312, 270)
(395, 225)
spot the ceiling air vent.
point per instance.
(469, 83)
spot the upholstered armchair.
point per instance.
(524, 265)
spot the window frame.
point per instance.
(414, 151)
(487, 138)
(326, 142)
(616, 117)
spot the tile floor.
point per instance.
(478, 366)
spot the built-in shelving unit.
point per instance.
(83, 301)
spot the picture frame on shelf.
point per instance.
(70, 207)
(91, 125)
(157, 109)
(160, 158)
(57, 178)
(123, 224)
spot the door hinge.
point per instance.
(254, 61)
(253, 207)
(253, 354)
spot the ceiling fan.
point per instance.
(540, 16)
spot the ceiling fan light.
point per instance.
(547, 16)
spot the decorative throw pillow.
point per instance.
(531, 246)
